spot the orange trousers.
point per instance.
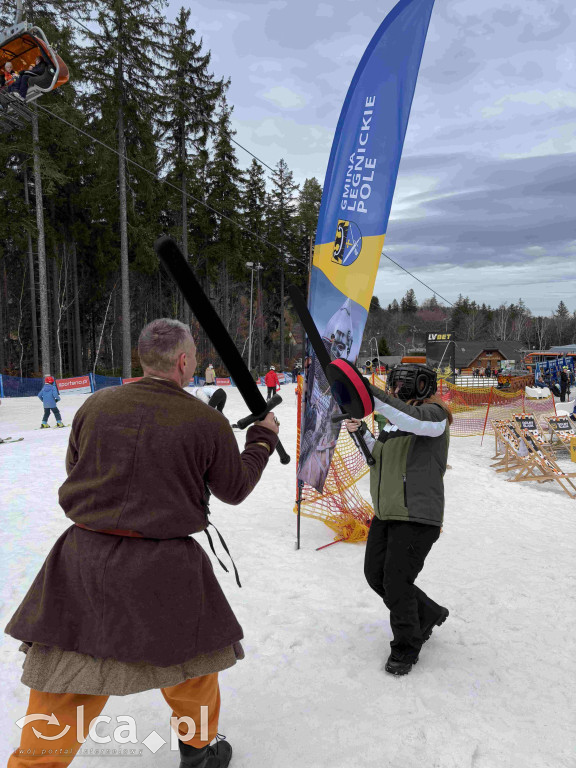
(186, 699)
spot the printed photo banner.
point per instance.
(354, 212)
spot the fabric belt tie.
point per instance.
(136, 535)
(226, 549)
(112, 531)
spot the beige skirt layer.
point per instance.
(52, 670)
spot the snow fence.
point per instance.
(341, 506)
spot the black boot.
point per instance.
(216, 756)
(427, 631)
(397, 665)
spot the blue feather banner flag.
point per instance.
(355, 209)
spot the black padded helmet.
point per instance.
(417, 381)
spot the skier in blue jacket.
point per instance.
(50, 396)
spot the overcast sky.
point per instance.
(485, 202)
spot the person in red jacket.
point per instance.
(272, 382)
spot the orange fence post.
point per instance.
(299, 485)
(487, 412)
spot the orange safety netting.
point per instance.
(341, 506)
(474, 408)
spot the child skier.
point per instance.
(50, 396)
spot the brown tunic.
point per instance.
(138, 458)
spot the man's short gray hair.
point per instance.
(160, 343)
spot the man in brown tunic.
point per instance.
(127, 600)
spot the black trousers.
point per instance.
(218, 400)
(271, 392)
(395, 554)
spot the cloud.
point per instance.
(265, 66)
(533, 101)
(551, 20)
(496, 208)
(285, 97)
(542, 285)
(304, 147)
(325, 10)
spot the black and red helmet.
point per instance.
(416, 381)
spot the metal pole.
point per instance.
(250, 328)
(298, 516)
(373, 339)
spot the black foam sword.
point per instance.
(324, 359)
(180, 271)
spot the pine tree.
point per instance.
(561, 321)
(431, 303)
(12, 238)
(253, 203)
(122, 63)
(191, 93)
(383, 349)
(307, 218)
(224, 179)
(375, 304)
(409, 304)
(282, 233)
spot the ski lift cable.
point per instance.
(173, 97)
(214, 210)
(416, 278)
(161, 180)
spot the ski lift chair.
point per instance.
(20, 44)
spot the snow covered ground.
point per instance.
(494, 687)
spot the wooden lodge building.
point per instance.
(478, 354)
(469, 355)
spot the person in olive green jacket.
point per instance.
(407, 489)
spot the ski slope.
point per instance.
(494, 687)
